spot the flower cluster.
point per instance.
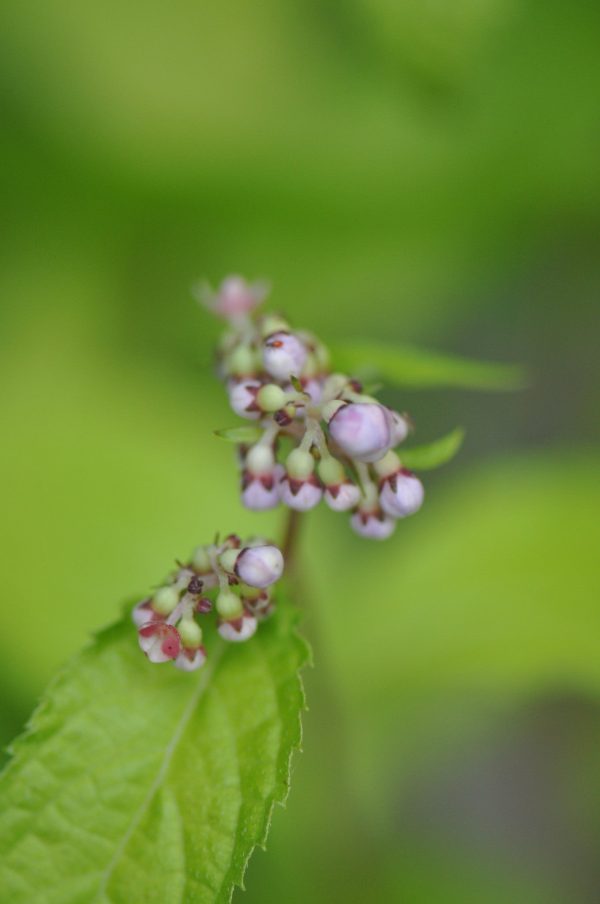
(231, 577)
(322, 436)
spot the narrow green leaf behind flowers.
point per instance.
(435, 454)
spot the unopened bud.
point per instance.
(259, 566)
(229, 605)
(190, 632)
(165, 600)
(270, 398)
(402, 494)
(283, 355)
(242, 398)
(299, 464)
(362, 430)
(238, 630)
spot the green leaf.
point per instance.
(137, 782)
(244, 434)
(402, 365)
(432, 455)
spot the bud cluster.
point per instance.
(232, 578)
(323, 437)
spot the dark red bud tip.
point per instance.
(282, 418)
(203, 605)
(233, 541)
(406, 472)
(356, 385)
(195, 586)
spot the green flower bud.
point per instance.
(241, 362)
(228, 559)
(388, 465)
(190, 632)
(164, 600)
(201, 560)
(272, 323)
(248, 592)
(270, 397)
(331, 471)
(229, 605)
(300, 464)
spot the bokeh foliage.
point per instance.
(420, 173)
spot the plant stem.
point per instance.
(290, 539)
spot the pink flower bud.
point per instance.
(374, 525)
(362, 430)
(242, 398)
(159, 641)
(300, 495)
(261, 491)
(342, 497)
(239, 629)
(234, 297)
(190, 659)
(284, 355)
(401, 494)
(400, 427)
(259, 566)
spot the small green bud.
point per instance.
(201, 560)
(260, 459)
(241, 362)
(190, 632)
(331, 471)
(228, 559)
(300, 464)
(165, 600)
(270, 397)
(389, 464)
(229, 605)
(272, 323)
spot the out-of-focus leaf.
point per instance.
(245, 434)
(433, 455)
(402, 365)
(138, 782)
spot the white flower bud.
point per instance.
(400, 428)
(373, 525)
(189, 659)
(242, 398)
(342, 497)
(143, 614)
(259, 566)
(362, 430)
(300, 495)
(239, 630)
(402, 494)
(284, 355)
(262, 492)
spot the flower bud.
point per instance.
(242, 398)
(401, 494)
(342, 497)
(159, 641)
(228, 559)
(241, 362)
(270, 398)
(201, 560)
(260, 479)
(400, 428)
(362, 430)
(299, 464)
(143, 614)
(229, 606)
(235, 297)
(259, 566)
(165, 600)
(300, 495)
(238, 630)
(191, 659)
(374, 525)
(284, 355)
(190, 632)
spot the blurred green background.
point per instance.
(426, 172)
